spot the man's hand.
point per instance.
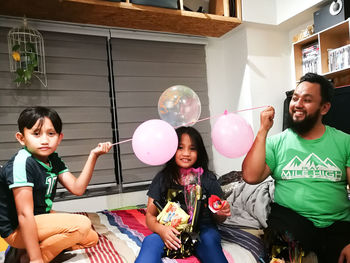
(345, 255)
(266, 118)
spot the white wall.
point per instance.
(248, 68)
(275, 12)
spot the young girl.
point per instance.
(191, 153)
(28, 185)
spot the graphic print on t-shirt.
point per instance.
(311, 167)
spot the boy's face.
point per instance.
(40, 141)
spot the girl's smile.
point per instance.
(186, 154)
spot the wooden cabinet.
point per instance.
(329, 39)
(124, 15)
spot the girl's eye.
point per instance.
(193, 149)
(180, 147)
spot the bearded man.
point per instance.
(310, 163)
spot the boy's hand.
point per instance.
(102, 148)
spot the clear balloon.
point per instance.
(154, 142)
(180, 106)
(232, 136)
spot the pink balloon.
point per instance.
(154, 142)
(232, 136)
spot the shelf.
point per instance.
(123, 15)
(331, 38)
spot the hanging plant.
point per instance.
(25, 54)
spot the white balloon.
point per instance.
(179, 106)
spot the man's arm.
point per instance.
(77, 186)
(254, 167)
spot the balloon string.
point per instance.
(208, 118)
(204, 119)
(128, 140)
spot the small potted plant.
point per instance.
(26, 59)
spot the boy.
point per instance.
(28, 186)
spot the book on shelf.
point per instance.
(311, 61)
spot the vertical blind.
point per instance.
(78, 89)
(142, 70)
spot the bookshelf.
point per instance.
(329, 40)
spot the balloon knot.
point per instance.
(225, 112)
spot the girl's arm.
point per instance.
(167, 233)
(77, 186)
(24, 206)
(221, 215)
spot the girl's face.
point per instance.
(186, 154)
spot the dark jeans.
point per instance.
(326, 242)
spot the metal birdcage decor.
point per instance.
(26, 54)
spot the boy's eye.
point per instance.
(180, 147)
(52, 133)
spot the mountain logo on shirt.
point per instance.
(311, 167)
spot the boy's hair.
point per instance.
(326, 87)
(171, 169)
(31, 115)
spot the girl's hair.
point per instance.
(30, 116)
(171, 170)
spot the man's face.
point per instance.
(306, 107)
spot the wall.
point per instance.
(247, 68)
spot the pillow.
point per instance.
(229, 182)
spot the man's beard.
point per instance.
(304, 126)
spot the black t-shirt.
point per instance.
(25, 170)
(209, 184)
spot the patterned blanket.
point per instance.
(121, 233)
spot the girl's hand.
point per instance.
(225, 210)
(102, 148)
(169, 236)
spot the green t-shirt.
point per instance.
(310, 175)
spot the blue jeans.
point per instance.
(208, 249)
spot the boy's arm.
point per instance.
(254, 167)
(78, 185)
(24, 205)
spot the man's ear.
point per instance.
(20, 138)
(325, 108)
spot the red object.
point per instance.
(215, 203)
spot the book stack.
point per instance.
(339, 58)
(311, 59)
